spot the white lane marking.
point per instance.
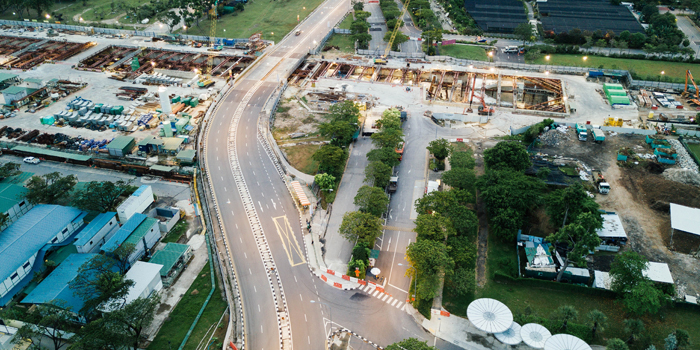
(399, 304)
(302, 299)
(251, 272)
(295, 279)
(255, 288)
(385, 296)
(395, 301)
(373, 294)
(261, 330)
(225, 190)
(258, 307)
(232, 213)
(309, 339)
(273, 203)
(237, 227)
(246, 255)
(241, 239)
(261, 208)
(305, 319)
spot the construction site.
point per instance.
(481, 90)
(27, 53)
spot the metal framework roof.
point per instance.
(168, 256)
(10, 195)
(141, 230)
(685, 219)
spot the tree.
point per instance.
(507, 155)
(462, 251)
(671, 343)
(569, 203)
(98, 281)
(462, 282)
(122, 256)
(134, 317)
(597, 321)
(430, 261)
(391, 119)
(410, 344)
(48, 320)
(462, 160)
(389, 137)
(325, 181)
(331, 160)
(9, 169)
(564, 314)
(386, 155)
(682, 337)
(40, 4)
(49, 188)
(616, 344)
(3, 220)
(357, 5)
(579, 238)
(377, 174)
(99, 334)
(637, 40)
(371, 200)
(361, 251)
(360, 227)
(626, 271)
(523, 32)
(460, 178)
(440, 148)
(634, 328)
(340, 132)
(644, 299)
(101, 196)
(399, 39)
(170, 19)
(434, 227)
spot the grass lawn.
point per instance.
(345, 24)
(467, 52)
(695, 148)
(273, 18)
(643, 69)
(87, 12)
(299, 156)
(178, 230)
(180, 320)
(343, 41)
(543, 301)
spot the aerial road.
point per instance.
(284, 305)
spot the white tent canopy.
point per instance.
(511, 336)
(489, 315)
(685, 218)
(534, 335)
(565, 342)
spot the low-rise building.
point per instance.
(136, 203)
(612, 232)
(16, 93)
(167, 218)
(24, 243)
(684, 220)
(173, 257)
(13, 202)
(655, 271)
(139, 230)
(121, 146)
(146, 277)
(172, 145)
(91, 238)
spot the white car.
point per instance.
(32, 160)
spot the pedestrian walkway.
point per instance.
(378, 292)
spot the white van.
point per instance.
(510, 49)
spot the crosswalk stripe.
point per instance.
(375, 293)
(395, 301)
(404, 306)
(388, 301)
(385, 296)
(365, 288)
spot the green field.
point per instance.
(467, 52)
(88, 10)
(273, 18)
(345, 24)
(543, 301)
(176, 232)
(695, 148)
(178, 323)
(343, 41)
(643, 69)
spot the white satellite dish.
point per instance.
(534, 335)
(565, 342)
(511, 336)
(489, 315)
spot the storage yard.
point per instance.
(27, 53)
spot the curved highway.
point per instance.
(261, 223)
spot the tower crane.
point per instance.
(206, 79)
(686, 93)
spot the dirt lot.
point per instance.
(640, 195)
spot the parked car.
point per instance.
(32, 160)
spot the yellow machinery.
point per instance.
(694, 97)
(396, 29)
(613, 122)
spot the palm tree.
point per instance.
(597, 321)
(634, 327)
(565, 313)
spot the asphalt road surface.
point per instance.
(232, 152)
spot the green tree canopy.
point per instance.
(462, 282)
(361, 251)
(101, 196)
(51, 188)
(507, 155)
(386, 155)
(52, 320)
(579, 237)
(360, 227)
(391, 119)
(331, 160)
(616, 344)
(462, 160)
(371, 200)
(430, 260)
(440, 149)
(325, 181)
(133, 318)
(568, 203)
(597, 321)
(377, 174)
(564, 314)
(462, 251)
(523, 32)
(645, 298)
(434, 227)
(98, 281)
(340, 132)
(410, 344)
(388, 137)
(634, 328)
(626, 271)
(9, 169)
(461, 178)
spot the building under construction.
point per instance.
(27, 53)
(477, 89)
(131, 62)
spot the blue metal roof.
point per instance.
(56, 285)
(140, 190)
(93, 227)
(31, 232)
(124, 232)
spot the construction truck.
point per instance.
(598, 135)
(399, 149)
(380, 61)
(600, 182)
(393, 184)
(582, 132)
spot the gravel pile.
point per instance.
(554, 137)
(684, 159)
(685, 176)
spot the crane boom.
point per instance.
(689, 76)
(212, 40)
(396, 29)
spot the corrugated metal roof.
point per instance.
(172, 143)
(685, 218)
(49, 152)
(164, 168)
(612, 227)
(10, 195)
(5, 76)
(56, 285)
(120, 142)
(31, 232)
(124, 232)
(18, 179)
(187, 155)
(140, 190)
(93, 227)
(168, 256)
(17, 89)
(141, 231)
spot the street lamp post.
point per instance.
(330, 315)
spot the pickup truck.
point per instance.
(393, 184)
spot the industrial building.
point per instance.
(146, 277)
(24, 244)
(559, 16)
(139, 230)
(121, 146)
(173, 258)
(496, 16)
(136, 203)
(91, 238)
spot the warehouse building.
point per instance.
(121, 146)
(24, 243)
(96, 233)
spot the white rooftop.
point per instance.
(658, 272)
(685, 218)
(601, 280)
(612, 227)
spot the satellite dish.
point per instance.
(565, 342)
(511, 336)
(534, 335)
(489, 315)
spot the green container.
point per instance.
(98, 107)
(175, 99)
(187, 100)
(610, 86)
(194, 102)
